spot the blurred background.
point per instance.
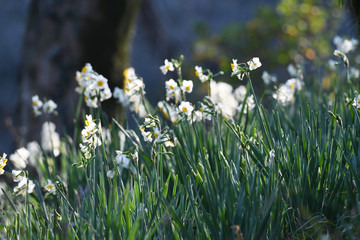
(44, 42)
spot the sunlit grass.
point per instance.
(290, 171)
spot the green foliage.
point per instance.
(218, 182)
(288, 32)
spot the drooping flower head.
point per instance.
(122, 159)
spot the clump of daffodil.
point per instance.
(40, 107)
(170, 111)
(285, 94)
(151, 131)
(356, 101)
(243, 69)
(24, 185)
(90, 137)
(3, 161)
(94, 86)
(133, 92)
(345, 45)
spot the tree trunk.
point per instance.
(61, 37)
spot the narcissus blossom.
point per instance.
(17, 175)
(345, 45)
(122, 160)
(25, 185)
(187, 86)
(36, 104)
(268, 78)
(185, 107)
(90, 136)
(50, 139)
(94, 86)
(49, 106)
(199, 73)
(254, 63)
(110, 174)
(20, 158)
(50, 187)
(132, 93)
(168, 66)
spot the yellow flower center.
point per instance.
(100, 83)
(50, 187)
(232, 66)
(292, 86)
(196, 73)
(187, 88)
(34, 103)
(84, 69)
(171, 87)
(86, 98)
(184, 109)
(87, 122)
(156, 135)
(167, 67)
(166, 115)
(201, 109)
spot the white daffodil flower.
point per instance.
(254, 63)
(168, 66)
(50, 187)
(187, 86)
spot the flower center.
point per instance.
(184, 109)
